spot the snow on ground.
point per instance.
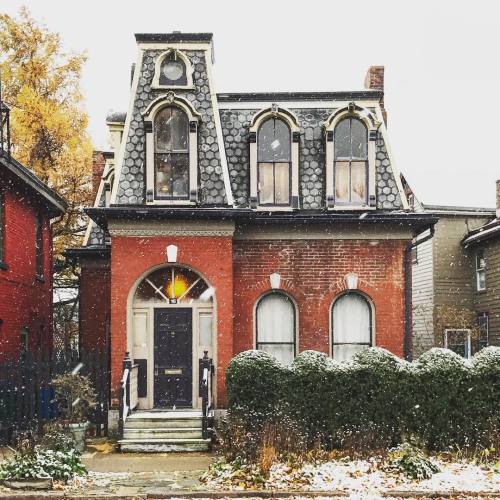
(368, 478)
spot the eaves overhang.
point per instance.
(56, 205)
(416, 221)
(300, 96)
(88, 251)
(486, 232)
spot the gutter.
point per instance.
(408, 344)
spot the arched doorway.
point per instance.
(172, 324)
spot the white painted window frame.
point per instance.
(467, 331)
(480, 271)
(149, 116)
(187, 64)
(352, 110)
(291, 120)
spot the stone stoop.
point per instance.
(153, 431)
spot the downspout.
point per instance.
(408, 345)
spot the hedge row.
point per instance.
(441, 399)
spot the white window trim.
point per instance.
(373, 333)
(170, 99)
(372, 125)
(187, 63)
(480, 270)
(459, 330)
(290, 119)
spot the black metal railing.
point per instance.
(128, 395)
(27, 395)
(206, 373)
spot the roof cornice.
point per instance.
(300, 96)
(173, 37)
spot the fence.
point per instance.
(27, 397)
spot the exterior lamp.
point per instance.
(275, 280)
(171, 253)
(351, 281)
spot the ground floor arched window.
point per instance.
(275, 326)
(351, 325)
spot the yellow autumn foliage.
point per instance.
(41, 84)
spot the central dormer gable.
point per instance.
(172, 149)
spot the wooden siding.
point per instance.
(423, 298)
(489, 300)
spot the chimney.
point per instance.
(374, 80)
(498, 199)
(98, 162)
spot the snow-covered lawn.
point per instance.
(363, 478)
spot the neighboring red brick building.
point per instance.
(227, 222)
(26, 209)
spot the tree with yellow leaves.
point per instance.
(40, 83)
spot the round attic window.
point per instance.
(173, 70)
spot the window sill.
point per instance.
(358, 208)
(484, 290)
(273, 208)
(172, 203)
(157, 86)
(39, 278)
(3, 266)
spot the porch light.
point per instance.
(171, 253)
(275, 280)
(180, 285)
(351, 281)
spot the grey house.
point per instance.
(456, 303)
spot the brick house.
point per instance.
(27, 206)
(227, 222)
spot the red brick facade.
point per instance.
(312, 273)
(25, 300)
(131, 258)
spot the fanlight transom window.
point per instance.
(276, 326)
(171, 127)
(274, 162)
(352, 325)
(174, 285)
(351, 162)
(173, 70)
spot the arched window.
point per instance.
(276, 326)
(274, 159)
(351, 162)
(351, 324)
(171, 140)
(173, 70)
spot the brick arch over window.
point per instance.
(263, 118)
(191, 118)
(365, 197)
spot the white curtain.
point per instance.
(276, 323)
(351, 326)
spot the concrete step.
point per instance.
(146, 422)
(163, 445)
(163, 433)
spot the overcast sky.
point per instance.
(441, 57)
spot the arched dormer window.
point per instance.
(352, 325)
(171, 133)
(274, 159)
(275, 326)
(171, 151)
(351, 135)
(172, 69)
(351, 162)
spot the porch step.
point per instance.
(150, 431)
(162, 433)
(163, 445)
